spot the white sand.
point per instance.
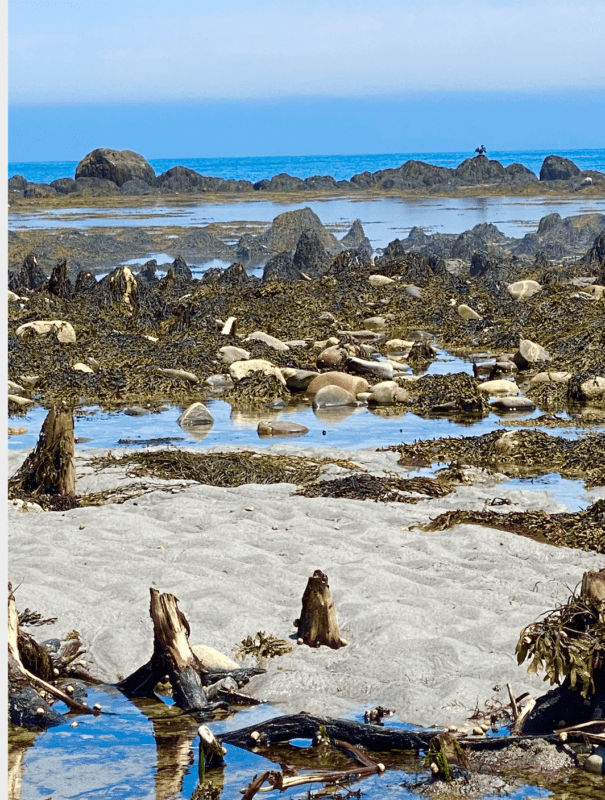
(431, 619)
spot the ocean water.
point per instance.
(341, 167)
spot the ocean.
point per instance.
(341, 167)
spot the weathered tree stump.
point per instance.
(50, 469)
(172, 656)
(317, 624)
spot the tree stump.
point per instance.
(172, 656)
(50, 469)
(593, 588)
(318, 624)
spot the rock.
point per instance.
(386, 393)
(135, 186)
(595, 762)
(265, 338)
(281, 268)
(529, 353)
(351, 383)
(311, 256)
(363, 336)
(281, 428)
(398, 346)
(12, 297)
(382, 369)
(375, 323)
(118, 166)
(195, 415)
(595, 291)
(333, 396)
(334, 356)
(15, 388)
(241, 369)
(79, 367)
(380, 280)
(593, 389)
(178, 374)
(64, 186)
(20, 401)
(520, 290)
(219, 382)
(466, 312)
(211, 659)
(29, 277)
(286, 229)
(499, 387)
(17, 432)
(413, 291)
(295, 344)
(355, 239)
(63, 330)
(39, 190)
(230, 353)
(298, 379)
(551, 377)
(512, 403)
(136, 411)
(557, 168)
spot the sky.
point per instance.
(267, 77)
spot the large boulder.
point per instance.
(286, 229)
(479, 169)
(118, 166)
(281, 268)
(557, 168)
(351, 383)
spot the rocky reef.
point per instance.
(106, 173)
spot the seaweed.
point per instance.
(388, 489)
(568, 645)
(583, 530)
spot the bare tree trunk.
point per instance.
(50, 469)
(318, 624)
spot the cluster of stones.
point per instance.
(106, 172)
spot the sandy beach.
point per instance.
(431, 619)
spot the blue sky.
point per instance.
(270, 77)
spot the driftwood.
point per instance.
(304, 726)
(317, 624)
(20, 678)
(289, 777)
(50, 469)
(173, 656)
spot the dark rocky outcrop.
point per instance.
(286, 229)
(355, 239)
(65, 186)
(557, 168)
(311, 256)
(280, 183)
(17, 185)
(147, 273)
(118, 166)
(96, 187)
(281, 268)
(39, 190)
(28, 278)
(135, 186)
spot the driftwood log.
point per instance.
(317, 624)
(173, 656)
(50, 469)
(30, 672)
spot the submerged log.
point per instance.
(305, 726)
(317, 624)
(50, 469)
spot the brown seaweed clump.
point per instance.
(221, 469)
(568, 645)
(256, 389)
(456, 394)
(515, 453)
(387, 489)
(582, 530)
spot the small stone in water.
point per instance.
(249, 508)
